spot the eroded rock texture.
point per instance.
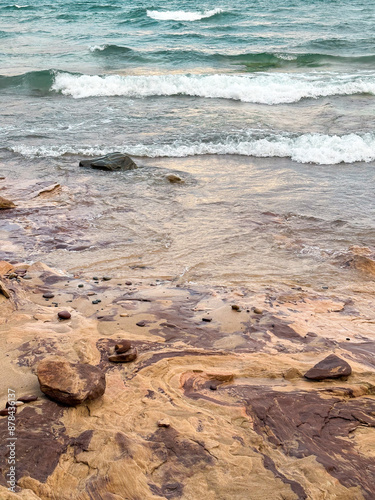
(216, 410)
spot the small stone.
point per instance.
(292, 373)
(207, 319)
(325, 287)
(106, 278)
(95, 278)
(235, 307)
(7, 411)
(173, 178)
(123, 346)
(256, 310)
(48, 295)
(90, 294)
(330, 367)
(347, 338)
(213, 387)
(6, 204)
(26, 277)
(125, 357)
(124, 315)
(141, 323)
(128, 283)
(80, 286)
(15, 403)
(164, 422)
(28, 399)
(64, 315)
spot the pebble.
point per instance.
(7, 411)
(123, 346)
(48, 295)
(164, 422)
(28, 398)
(64, 315)
(95, 278)
(141, 323)
(124, 315)
(235, 307)
(97, 301)
(106, 278)
(213, 387)
(128, 283)
(27, 277)
(80, 286)
(16, 403)
(207, 319)
(89, 294)
(257, 310)
(173, 178)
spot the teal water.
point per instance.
(280, 84)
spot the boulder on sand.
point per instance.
(70, 383)
(330, 367)
(112, 161)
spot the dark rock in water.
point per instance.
(70, 383)
(122, 346)
(125, 357)
(113, 161)
(330, 367)
(64, 315)
(5, 204)
(173, 179)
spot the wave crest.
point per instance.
(182, 15)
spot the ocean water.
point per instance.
(264, 108)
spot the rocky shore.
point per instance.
(184, 391)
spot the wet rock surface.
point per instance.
(113, 161)
(217, 409)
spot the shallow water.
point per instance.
(265, 110)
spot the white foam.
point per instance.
(306, 148)
(263, 88)
(182, 15)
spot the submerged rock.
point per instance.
(330, 367)
(70, 383)
(173, 178)
(5, 204)
(113, 161)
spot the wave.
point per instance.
(252, 62)
(261, 88)
(109, 49)
(306, 148)
(181, 15)
(40, 81)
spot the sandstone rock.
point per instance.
(257, 310)
(125, 357)
(6, 204)
(173, 179)
(113, 161)
(123, 346)
(330, 367)
(164, 422)
(292, 373)
(70, 383)
(4, 290)
(5, 268)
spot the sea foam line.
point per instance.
(262, 88)
(307, 148)
(182, 15)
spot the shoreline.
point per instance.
(242, 417)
